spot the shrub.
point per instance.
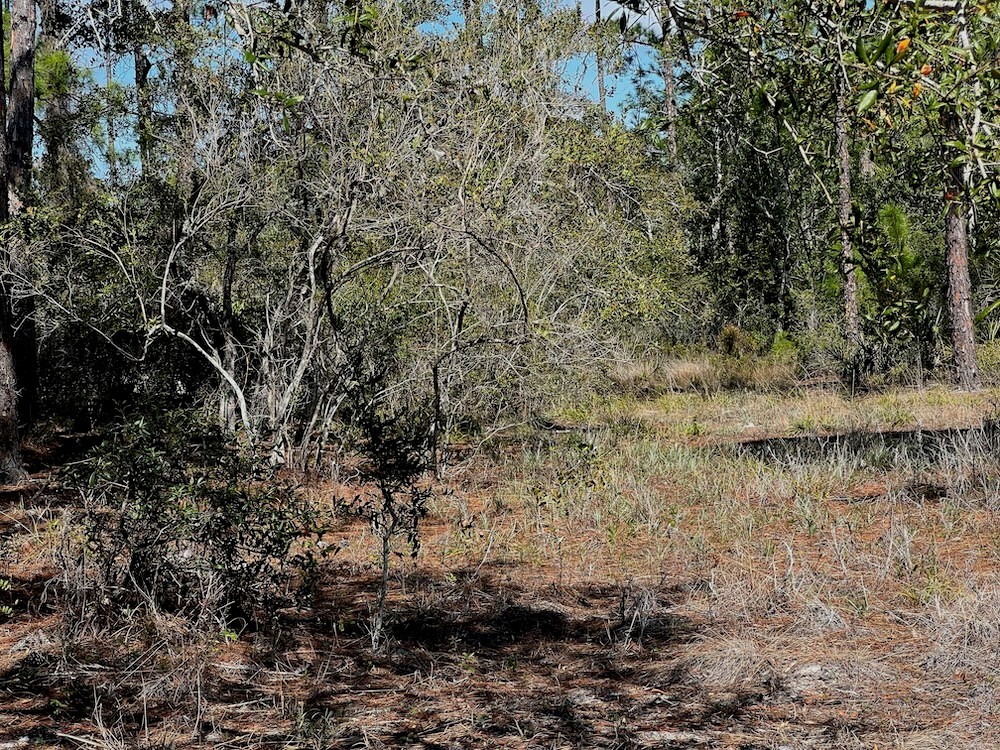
(735, 342)
(396, 446)
(988, 356)
(783, 348)
(177, 518)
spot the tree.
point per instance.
(851, 316)
(668, 63)
(18, 348)
(392, 221)
(602, 96)
(936, 71)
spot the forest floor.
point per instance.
(792, 571)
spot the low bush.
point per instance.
(988, 358)
(176, 518)
(735, 342)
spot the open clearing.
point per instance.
(731, 571)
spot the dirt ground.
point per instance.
(765, 579)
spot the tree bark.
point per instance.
(669, 84)
(145, 109)
(956, 237)
(867, 165)
(20, 139)
(22, 99)
(852, 323)
(11, 467)
(227, 401)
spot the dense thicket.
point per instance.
(323, 223)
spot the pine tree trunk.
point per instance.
(11, 467)
(21, 131)
(956, 237)
(22, 100)
(852, 322)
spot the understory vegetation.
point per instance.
(499, 374)
(734, 569)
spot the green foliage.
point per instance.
(735, 342)
(6, 608)
(177, 518)
(122, 379)
(398, 447)
(627, 219)
(898, 278)
(54, 73)
(784, 348)
(988, 358)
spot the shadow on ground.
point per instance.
(472, 663)
(883, 445)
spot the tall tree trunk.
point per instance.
(22, 99)
(669, 83)
(11, 467)
(20, 134)
(602, 93)
(957, 222)
(227, 402)
(956, 237)
(145, 109)
(852, 321)
(186, 102)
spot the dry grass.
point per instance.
(753, 582)
(707, 375)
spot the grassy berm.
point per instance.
(786, 571)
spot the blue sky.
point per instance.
(581, 73)
(618, 87)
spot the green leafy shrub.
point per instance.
(735, 342)
(176, 517)
(988, 356)
(783, 348)
(396, 447)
